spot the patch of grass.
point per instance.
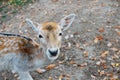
(10, 7)
(19, 2)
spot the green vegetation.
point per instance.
(19, 2)
(9, 7)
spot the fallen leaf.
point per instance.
(67, 75)
(101, 29)
(64, 77)
(101, 73)
(104, 66)
(98, 38)
(83, 64)
(115, 49)
(117, 65)
(114, 77)
(76, 33)
(77, 45)
(113, 64)
(40, 70)
(68, 46)
(117, 27)
(51, 66)
(61, 62)
(50, 78)
(117, 31)
(85, 54)
(110, 74)
(72, 62)
(115, 56)
(61, 77)
(104, 54)
(93, 58)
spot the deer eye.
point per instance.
(60, 34)
(40, 36)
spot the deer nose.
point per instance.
(53, 52)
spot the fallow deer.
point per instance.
(22, 54)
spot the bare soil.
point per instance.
(92, 49)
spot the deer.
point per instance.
(22, 54)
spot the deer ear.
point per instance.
(66, 22)
(33, 25)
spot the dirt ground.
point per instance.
(90, 48)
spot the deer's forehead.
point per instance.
(50, 26)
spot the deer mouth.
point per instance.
(53, 54)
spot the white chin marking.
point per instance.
(52, 57)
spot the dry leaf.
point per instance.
(117, 65)
(67, 75)
(115, 56)
(68, 46)
(72, 62)
(114, 49)
(77, 45)
(104, 54)
(95, 40)
(118, 31)
(50, 78)
(61, 62)
(51, 66)
(101, 73)
(98, 38)
(110, 74)
(64, 77)
(76, 33)
(114, 77)
(86, 54)
(83, 64)
(93, 58)
(101, 29)
(113, 64)
(105, 66)
(117, 27)
(40, 70)
(61, 77)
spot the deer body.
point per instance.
(22, 54)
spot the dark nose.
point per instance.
(53, 53)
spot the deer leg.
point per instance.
(25, 76)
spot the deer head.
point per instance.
(50, 34)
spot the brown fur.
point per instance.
(17, 44)
(50, 26)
